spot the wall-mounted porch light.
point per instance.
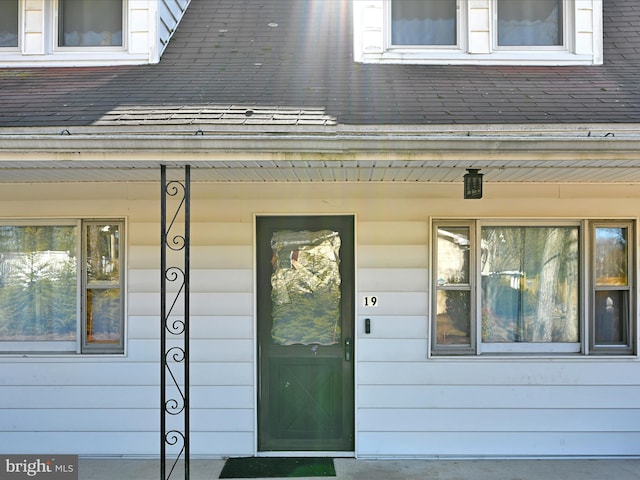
(473, 184)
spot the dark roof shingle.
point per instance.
(270, 56)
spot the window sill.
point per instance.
(8, 357)
(528, 357)
(421, 57)
(73, 59)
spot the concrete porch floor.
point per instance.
(346, 468)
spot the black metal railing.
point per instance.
(174, 328)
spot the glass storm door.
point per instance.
(305, 333)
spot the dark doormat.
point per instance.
(269, 467)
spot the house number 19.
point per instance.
(370, 301)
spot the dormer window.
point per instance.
(9, 24)
(72, 33)
(424, 22)
(530, 23)
(90, 23)
(499, 32)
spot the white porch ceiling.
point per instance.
(611, 171)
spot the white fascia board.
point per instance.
(506, 143)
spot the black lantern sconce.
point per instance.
(473, 184)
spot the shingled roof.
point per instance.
(289, 62)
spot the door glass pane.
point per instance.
(423, 22)
(530, 22)
(453, 256)
(453, 316)
(305, 284)
(90, 23)
(529, 284)
(8, 23)
(611, 257)
(38, 283)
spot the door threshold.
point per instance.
(307, 454)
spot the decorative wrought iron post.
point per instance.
(174, 328)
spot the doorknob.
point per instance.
(347, 349)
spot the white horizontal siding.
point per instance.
(510, 372)
(393, 279)
(107, 374)
(224, 257)
(202, 327)
(123, 420)
(201, 304)
(480, 397)
(392, 327)
(219, 280)
(138, 444)
(505, 444)
(407, 403)
(200, 350)
(118, 397)
(499, 420)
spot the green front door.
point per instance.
(305, 268)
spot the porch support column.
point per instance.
(174, 327)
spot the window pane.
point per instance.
(529, 284)
(611, 311)
(103, 316)
(423, 22)
(611, 257)
(530, 22)
(305, 287)
(38, 283)
(90, 23)
(8, 23)
(453, 255)
(103, 255)
(453, 317)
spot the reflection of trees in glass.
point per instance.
(306, 287)
(453, 310)
(454, 317)
(103, 315)
(38, 283)
(102, 253)
(611, 256)
(530, 284)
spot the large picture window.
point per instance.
(90, 23)
(61, 287)
(508, 287)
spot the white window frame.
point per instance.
(477, 33)
(586, 285)
(55, 28)
(39, 39)
(79, 345)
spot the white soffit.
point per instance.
(325, 171)
(556, 154)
